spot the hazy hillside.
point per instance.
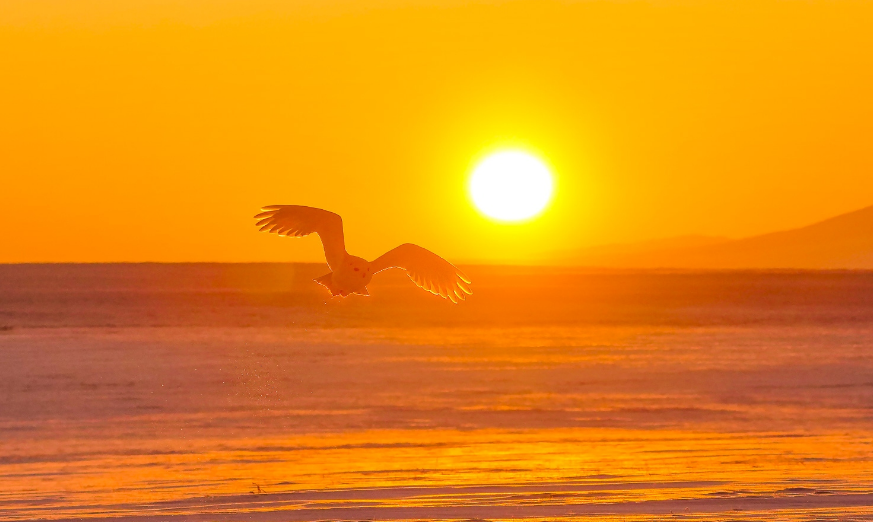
(845, 241)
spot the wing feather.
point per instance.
(299, 221)
(427, 270)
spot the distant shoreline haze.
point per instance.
(841, 242)
(844, 241)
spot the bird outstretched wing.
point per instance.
(299, 221)
(427, 270)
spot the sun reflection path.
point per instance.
(524, 427)
(429, 473)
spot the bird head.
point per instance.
(360, 268)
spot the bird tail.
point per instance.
(327, 281)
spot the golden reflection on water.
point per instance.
(527, 423)
(477, 468)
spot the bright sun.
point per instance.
(511, 186)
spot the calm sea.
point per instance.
(242, 392)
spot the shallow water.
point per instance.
(239, 393)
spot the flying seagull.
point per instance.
(351, 274)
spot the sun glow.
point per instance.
(511, 186)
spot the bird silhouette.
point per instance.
(351, 274)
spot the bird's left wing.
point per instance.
(298, 221)
(427, 270)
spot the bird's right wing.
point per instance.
(299, 221)
(427, 270)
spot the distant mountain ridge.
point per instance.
(841, 242)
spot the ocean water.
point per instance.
(242, 392)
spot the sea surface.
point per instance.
(242, 392)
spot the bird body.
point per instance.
(351, 274)
(351, 277)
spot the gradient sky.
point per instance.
(152, 130)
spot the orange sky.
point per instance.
(152, 130)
